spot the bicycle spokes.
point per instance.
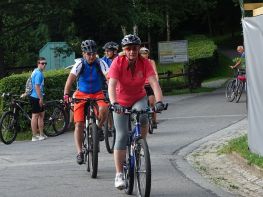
(8, 127)
(143, 168)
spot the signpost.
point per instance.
(173, 51)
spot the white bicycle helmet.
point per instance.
(130, 40)
(89, 46)
(144, 50)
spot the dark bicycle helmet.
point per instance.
(111, 45)
(89, 46)
(130, 40)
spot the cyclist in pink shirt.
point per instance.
(127, 76)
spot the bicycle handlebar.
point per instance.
(147, 110)
(9, 94)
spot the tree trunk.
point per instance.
(168, 30)
(135, 29)
(148, 26)
(123, 29)
(149, 39)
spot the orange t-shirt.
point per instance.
(130, 88)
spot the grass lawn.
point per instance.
(240, 145)
(27, 135)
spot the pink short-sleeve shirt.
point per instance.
(130, 88)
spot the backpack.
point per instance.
(28, 87)
(104, 80)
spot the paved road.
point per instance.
(48, 168)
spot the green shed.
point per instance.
(57, 55)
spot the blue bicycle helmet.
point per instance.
(111, 46)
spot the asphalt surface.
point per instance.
(48, 168)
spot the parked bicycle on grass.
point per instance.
(19, 110)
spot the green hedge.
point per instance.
(53, 88)
(200, 46)
(203, 59)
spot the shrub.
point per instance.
(53, 88)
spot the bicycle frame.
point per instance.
(15, 106)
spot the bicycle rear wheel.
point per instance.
(143, 168)
(239, 90)
(230, 90)
(8, 127)
(110, 133)
(128, 170)
(55, 121)
(93, 149)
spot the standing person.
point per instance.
(127, 77)
(36, 100)
(145, 53)
(241, 63)
(111, 51)
(89, 73)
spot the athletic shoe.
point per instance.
(119, 181)
(80, 158)
(42, 137)
(35, 138)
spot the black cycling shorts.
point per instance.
(149, 90)
(35, 105)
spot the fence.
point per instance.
(190, 78)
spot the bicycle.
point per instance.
(56, 119)
(138, 162)
(235, 87)
(10, 119)
(91, 137)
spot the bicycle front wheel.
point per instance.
(110, 133)
(93, 149)
(230, 90)
(143, 168)
(8, 127)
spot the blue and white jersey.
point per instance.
(107, 60)
(37, 78)
(90, 79)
